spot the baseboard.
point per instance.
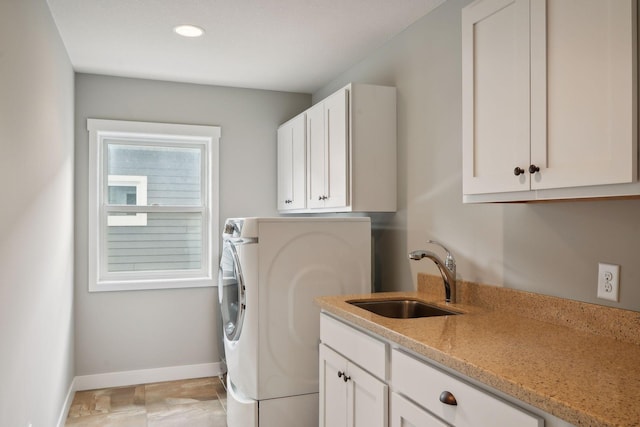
(67, 404)
(144, 376)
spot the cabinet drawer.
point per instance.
(424, 384)
(362, 349)
(405, 413)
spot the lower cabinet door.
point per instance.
(333, 390)
(367, 399)
(407, 414)
(349, 395)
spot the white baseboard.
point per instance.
(67, 404)
(144, 376)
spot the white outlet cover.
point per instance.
(608, 281)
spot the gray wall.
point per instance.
(36, 216)
(550, 248)
(120, 331)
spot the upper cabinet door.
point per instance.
(549, 98)
(495, 73)
(291, 164)
(327, 153)
(583, 118)
(315, 156)
(336, 149)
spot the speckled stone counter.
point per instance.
(560, 364)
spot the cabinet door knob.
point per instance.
(518, 170)
(344, 376)
(448, 399)
(534, 169)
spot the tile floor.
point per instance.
(194, 403)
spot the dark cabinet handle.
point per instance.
(518, 170)
(448, 399)
(322, 197)
(344, 376)
(533, 169)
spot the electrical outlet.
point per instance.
(608, 281)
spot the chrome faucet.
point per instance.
(447, 268)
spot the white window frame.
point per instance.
(207, 138)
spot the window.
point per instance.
(153, 205)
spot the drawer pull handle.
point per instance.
(448, 399)
(344, 376)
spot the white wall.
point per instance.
(36, 216)
(121, 331)
(550, 248)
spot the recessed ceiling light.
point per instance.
(188, 30)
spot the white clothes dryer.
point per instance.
(271, 270)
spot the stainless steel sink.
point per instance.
(401, 308)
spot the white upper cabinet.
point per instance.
(495, 96)
(327, 158)
(350, 152)
(291, 164)
(549, 99)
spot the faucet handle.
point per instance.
(450, 261)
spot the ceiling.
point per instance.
(285, 45)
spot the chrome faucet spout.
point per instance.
(447, 269)
(417, 255)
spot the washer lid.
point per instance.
(231, 292)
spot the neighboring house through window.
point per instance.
(127, 190)
(153, 203)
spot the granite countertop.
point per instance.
(584, 377)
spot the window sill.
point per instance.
(139, 285)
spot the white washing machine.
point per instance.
(271, 270)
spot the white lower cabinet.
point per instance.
(457, 403)
(366, 380)
(404, 413)
(353, 371)
(350, 396)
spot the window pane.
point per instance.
(122, 195)
(169, 241)
(172, 173)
